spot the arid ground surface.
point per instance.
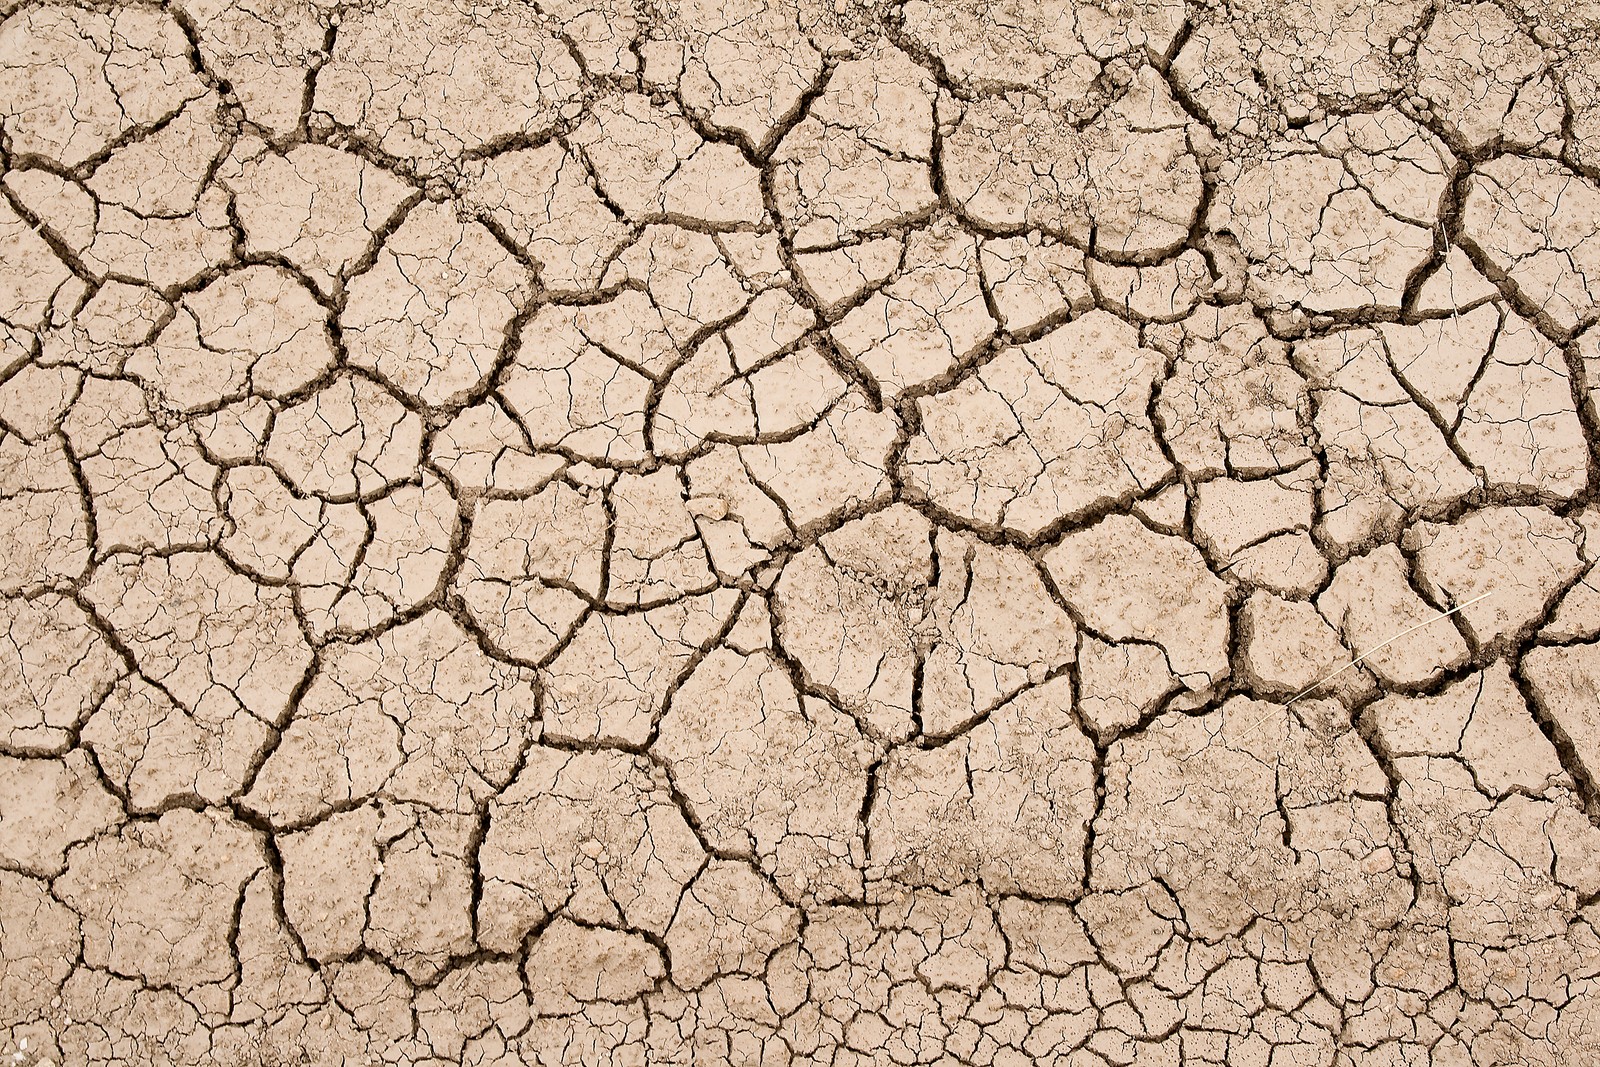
(600, 532)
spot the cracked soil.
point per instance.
(780, 533)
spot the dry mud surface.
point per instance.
(600, 532)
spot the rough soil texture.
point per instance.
(838, 533)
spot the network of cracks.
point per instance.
(790, 533)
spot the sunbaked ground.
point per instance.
(738, 532)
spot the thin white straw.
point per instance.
(1375, 648)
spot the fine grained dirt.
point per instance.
(823, 533)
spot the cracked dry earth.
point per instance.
(595, 532)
